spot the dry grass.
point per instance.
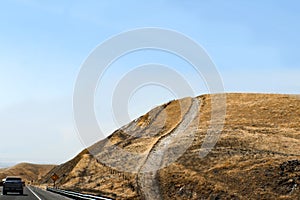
(28, 172)
(256, 157)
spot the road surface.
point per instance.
(32, 193)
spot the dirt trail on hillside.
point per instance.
(160, 152)
(256, 155)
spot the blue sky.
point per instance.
(254, 44)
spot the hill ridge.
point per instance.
(256, 156)
(29, 172)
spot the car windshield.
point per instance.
(13, 180)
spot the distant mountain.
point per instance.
(256, 157)
(27, 171)
(4, 165)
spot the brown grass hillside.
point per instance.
(28, 172)
(256, 157)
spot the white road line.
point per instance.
(34, 193)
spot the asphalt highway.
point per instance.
(32, 193)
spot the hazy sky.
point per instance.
(254, 44)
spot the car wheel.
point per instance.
(21, 193)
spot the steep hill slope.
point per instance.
(158, 156)
(27, 171)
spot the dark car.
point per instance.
(12, 184)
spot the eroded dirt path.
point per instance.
(161, 156)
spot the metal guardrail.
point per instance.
(76, 195)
